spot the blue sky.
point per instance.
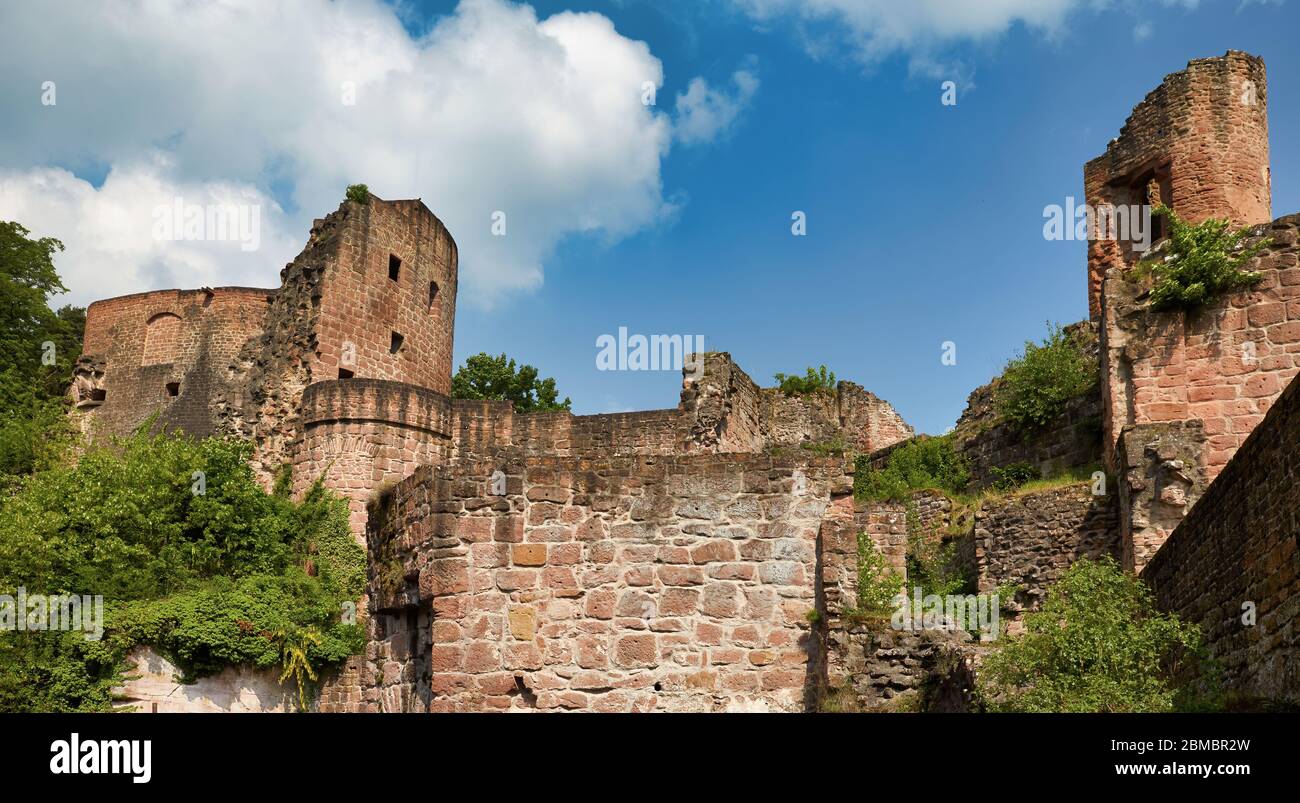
(924, 221)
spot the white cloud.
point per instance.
(492, 109)
(1142, 31)
(872, 30)
(705, 113)
(109, 233)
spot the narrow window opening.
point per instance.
(433, 295)
(395, 344)
(394, 267)
(345, 373)
(98, 394)
(173, 389)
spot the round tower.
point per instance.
(1198, 143)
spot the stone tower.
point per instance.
(1198, 143)
(342, 372)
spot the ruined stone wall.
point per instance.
(1222, 367)
(1237, 545)
(361, 435)
(640, 583)
(727, 412)
(1031, 538)
(164, 353)
(485, 428)
(1073, 440)
(1197, 143)
(721, 411)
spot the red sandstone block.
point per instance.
(773, 679)
(726, 655)
(746, 636)
(602, 552)
(740, 681)
(636, 651)
(559, 577)
(678, 602)
(732, 571)
(593, 529)
(680, 575)
(565, 554)
(516, 579)
(639, 575)
(1261, 385)
(708, 634)
(1165, 411)
(713, 551)
(480, 657)
(600, 603)
(522, 655)
(446, 658)
(1288, 332)
(674, 554)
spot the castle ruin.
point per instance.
(696, 558)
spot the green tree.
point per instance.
(211, 574)
(1097, 644)
(33, 427)
(486, 377)
(1036, 385)
(1200, 263)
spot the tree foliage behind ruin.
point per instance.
(486, 377)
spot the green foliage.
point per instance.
(931, 563)
(878, 584)
(1097, 644)
(34, 431)
(829, 448)
(1036, 385)
(358, 193)
(817, 380)
(922, 463)
(1200, 263)
(486, 377)
(228, 576)
(1013, 475)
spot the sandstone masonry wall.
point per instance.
(1237, 545)
(163, 353)
(640, 583)
(1223, 367)
(365, 434)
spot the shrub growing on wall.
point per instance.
(1200, 263)
(1097, 644)
(922, 463)
(1036, 385)
(814, 380)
